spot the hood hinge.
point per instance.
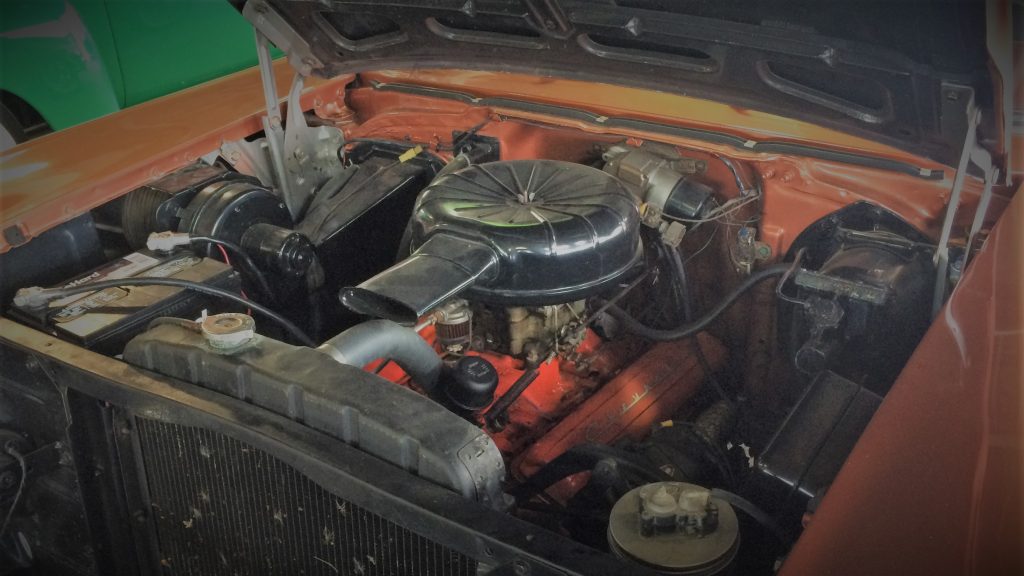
(301, 157)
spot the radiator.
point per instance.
(221, 506)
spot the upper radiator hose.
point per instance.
(383, 339)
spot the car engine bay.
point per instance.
(592, 332)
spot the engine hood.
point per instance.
(889, 71)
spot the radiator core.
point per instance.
(224, 507)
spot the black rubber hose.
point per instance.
(383, 339)
(752, 510)
(711, 450)
(250, 266)
(676, 263)
(13, 452)
(585, 457)
(292, 329)
(683, 284)
(582, 458)
(692, 328)
(498, 409)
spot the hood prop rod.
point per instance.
(972, 153)
(272, 124)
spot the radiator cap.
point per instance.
(228, 331)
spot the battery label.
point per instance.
(129, 265)
(105, 297)
(93, 300)
(173, 267)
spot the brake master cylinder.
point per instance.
(675, 528)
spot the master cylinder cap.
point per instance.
(675, 528)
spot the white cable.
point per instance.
(21, 486)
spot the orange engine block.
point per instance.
(601, 392)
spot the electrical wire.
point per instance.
(468, 134)
(21, 486)
(622, 293)
(785, 277)
(291, 328)
(227, 260)
(224, 254)
(691, 328)
(726, 209)
(711, 237)
(740, 185)
(252, 269)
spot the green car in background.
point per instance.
(63, 62)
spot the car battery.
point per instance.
(106, 319)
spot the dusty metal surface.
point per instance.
(934, 485)
(50, 180)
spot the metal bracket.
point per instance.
(301, 158)
(269, 24)
(310, 153)
(971, 153)
(550, 18)
(38, 463)
(250, 158)
(876, 295)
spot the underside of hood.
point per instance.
(901, 73)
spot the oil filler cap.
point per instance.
(675, 528)
(472, 383)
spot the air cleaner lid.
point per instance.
(561, 231)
